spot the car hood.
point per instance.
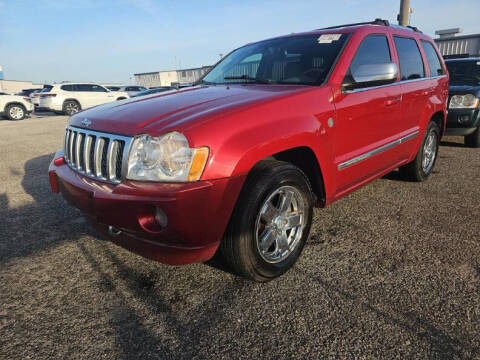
(465, 89)
(177, 109)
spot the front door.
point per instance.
(368, 121)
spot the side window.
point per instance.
(373, 50)
(411, 63)
(434, 63)
(97, 88)
(83, 87)
(67, 87)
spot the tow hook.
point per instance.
(113, 231)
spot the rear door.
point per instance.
(415, 85)
(93, 95)
(368, 120)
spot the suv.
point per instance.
(463, 115)
(237, 162)
(15, 107)
(132, 89)
(73, 97)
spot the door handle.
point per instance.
(427, 92)
(393, 101)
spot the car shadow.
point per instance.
(198, 326)
(43, 222)
(452, 144)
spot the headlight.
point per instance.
(165, 158)
(468, 101)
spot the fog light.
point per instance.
(160, 217)
(463, 119)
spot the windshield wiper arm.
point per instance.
(250, 78)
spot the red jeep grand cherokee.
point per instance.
(237, 162)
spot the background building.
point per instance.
(14, 86)
(451, 44)
(167, 78)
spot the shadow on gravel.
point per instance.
(191, 330)
(27, 229)
(442, 345)
(452, 144)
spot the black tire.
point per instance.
(473, 140)
(239, 247)
(415, 170)
(71, 107)
(15, 112)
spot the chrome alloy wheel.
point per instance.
(16, 112)
(429, 152)
(280, 224)
(71, 108)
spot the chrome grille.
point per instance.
(98, 155)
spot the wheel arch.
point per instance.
(15, 103)
(305, 159)
(440, 119)
(72, 99)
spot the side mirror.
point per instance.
(372, 75)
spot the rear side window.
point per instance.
(373, 50)
(434, 63)
(411, 63)
(67, 87)
(97, 88)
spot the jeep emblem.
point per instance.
(86, 122)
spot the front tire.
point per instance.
(422, 166)
(270, 223)
(71, 107)
(473, 140)
(15, 112)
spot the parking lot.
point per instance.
(392, 270)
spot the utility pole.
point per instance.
(404, 12)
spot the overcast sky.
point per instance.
(109, 40)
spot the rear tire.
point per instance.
(422, 166)
(270, 223)
(71, 107)
(473, 140)
(15, 112)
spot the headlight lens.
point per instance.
(468, 101)
(165, 158)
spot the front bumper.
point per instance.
(462, 122)
(197, 213)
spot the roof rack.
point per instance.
(414, 28)
(374, 22)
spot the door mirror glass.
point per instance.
(372, 75)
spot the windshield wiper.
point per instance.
(249, 78)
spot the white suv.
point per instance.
(15, 107)
(73, 97)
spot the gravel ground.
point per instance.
(391, 271)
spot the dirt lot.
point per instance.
(390, 271)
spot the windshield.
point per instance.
(464, 72)
(292, 60)
(46, 88)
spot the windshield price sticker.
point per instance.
(328, 38)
